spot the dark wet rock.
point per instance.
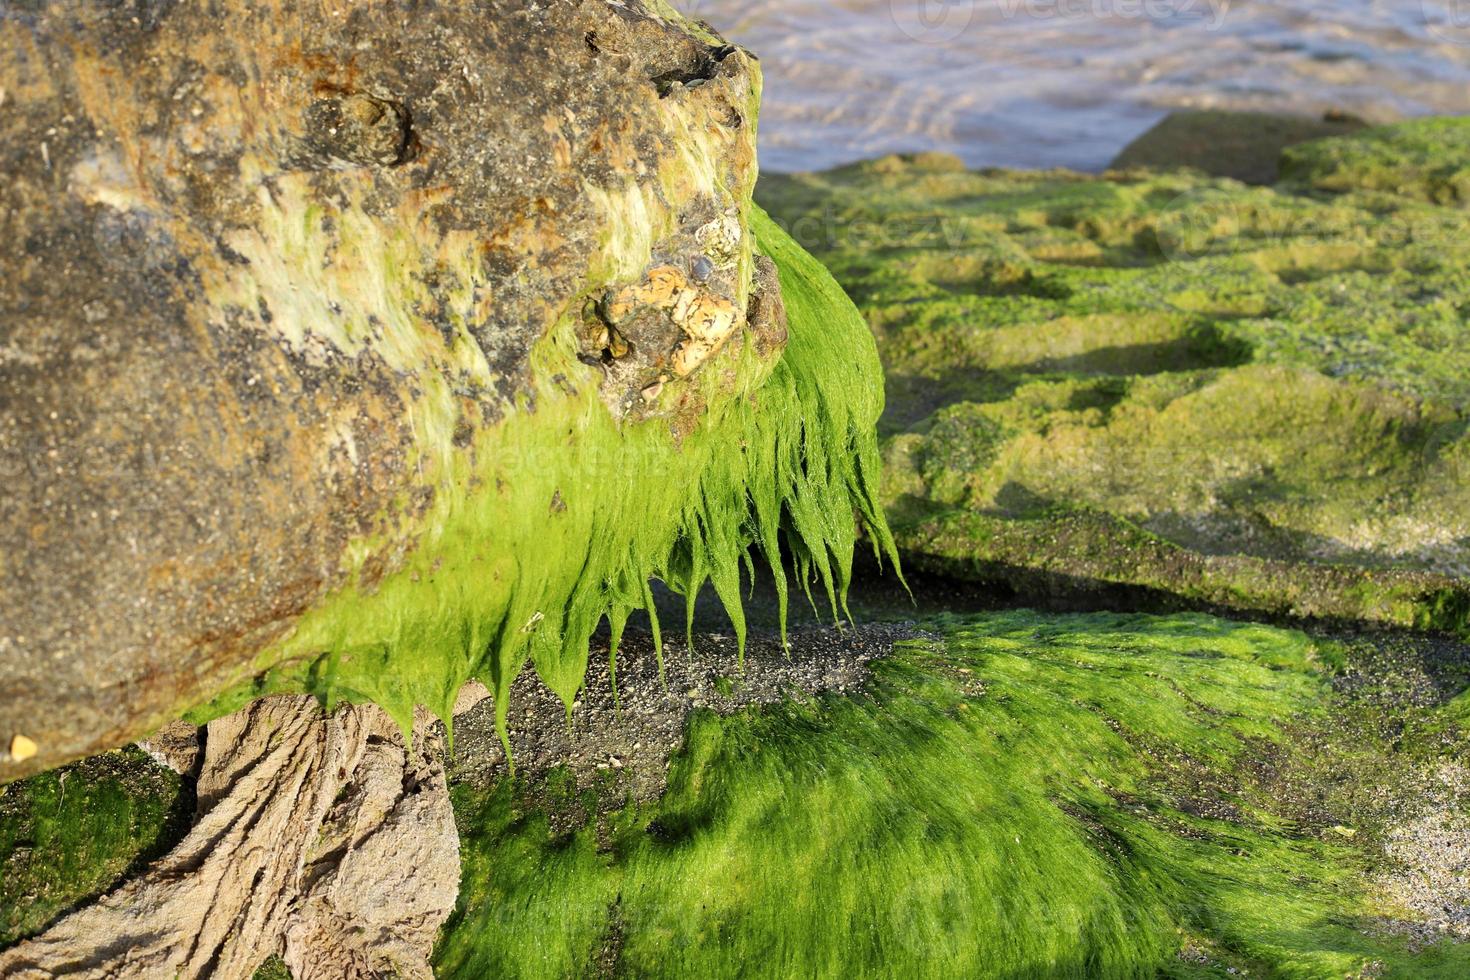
(1244, 145)
(622, 732)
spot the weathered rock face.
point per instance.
(1167, 384)
(276, 273)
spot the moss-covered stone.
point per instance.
(1256, 398)
(69, 835)
(361, 351)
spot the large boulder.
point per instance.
(359, 348)
(1171, 387)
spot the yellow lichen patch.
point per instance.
(689, 355)
(704, 316)
(709, 321)
(23, 77)
(661, 288)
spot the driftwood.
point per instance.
(322, 838)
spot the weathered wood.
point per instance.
(322, 838)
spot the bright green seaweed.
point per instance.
(1019, 795)
(587, 511)
(1023, 796)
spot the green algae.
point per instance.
(273, 969)
(1253, 397)
(1091, 556)
(71, 834)
(1427, 158)
(586, 510)
(1018, 796)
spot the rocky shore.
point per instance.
(1247, 397)
(1177, 683)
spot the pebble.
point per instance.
(21, 748)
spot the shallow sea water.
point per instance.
(1043, 83)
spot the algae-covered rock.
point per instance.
(72, 834)
(1251, 397)
(1244, 145)
(379, 345)
(326, 838)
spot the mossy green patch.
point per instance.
(1269, 383)
(586, 510)
(273, 969)
(1090, 555)
(69, 835)
(1426, 158)
(1018, 796)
